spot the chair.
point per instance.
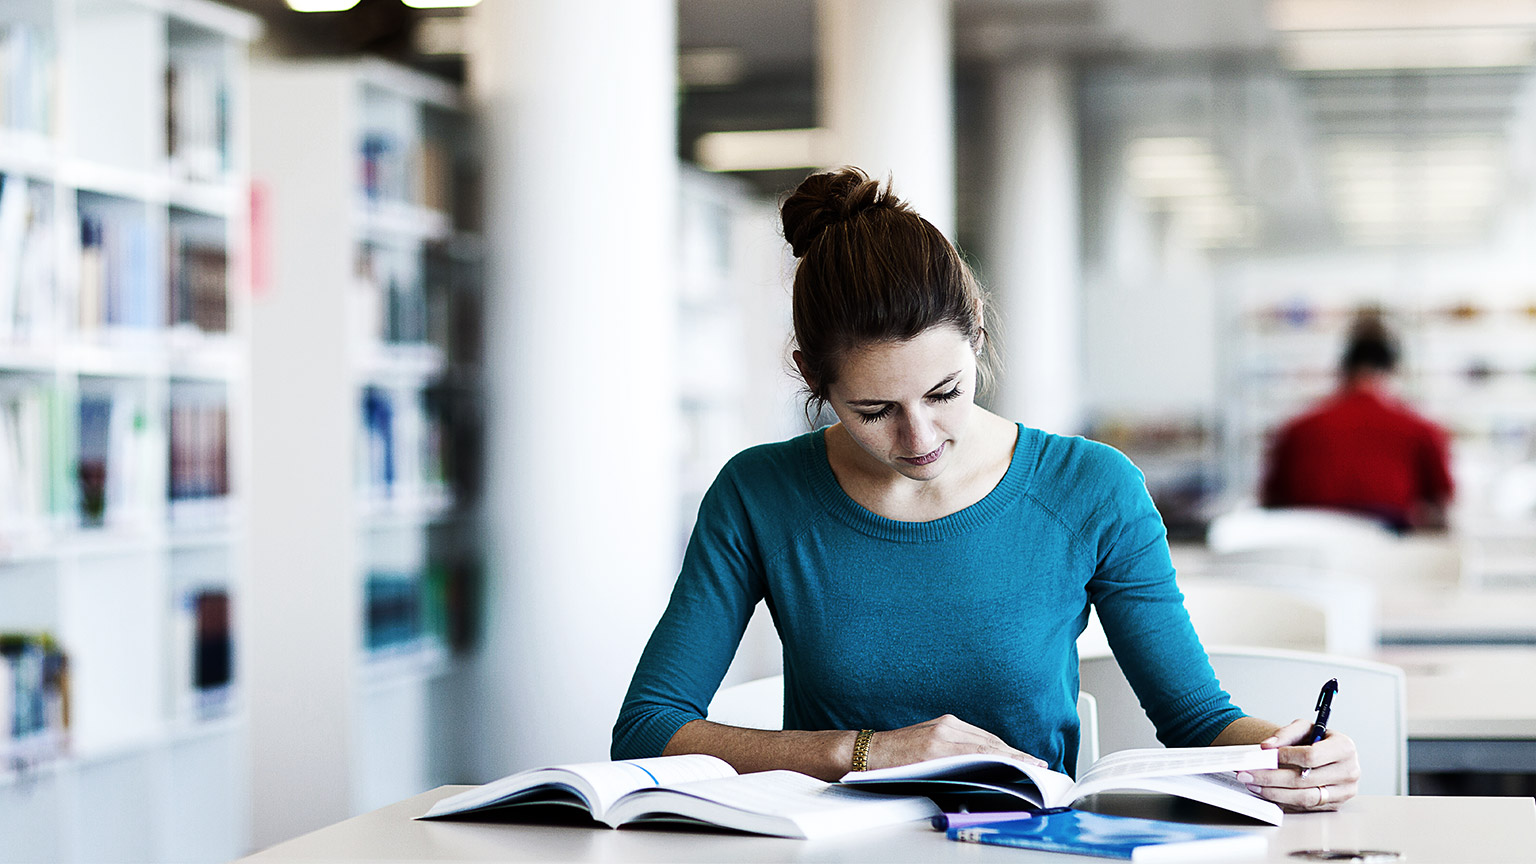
(1279, 686)
(1237, 613)
(759, 704)
(1295, 528)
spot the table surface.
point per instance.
(1468, 692)
(1423, 829)
(1413, 613)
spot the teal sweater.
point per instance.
(888, 623)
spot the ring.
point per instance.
(1322, 796)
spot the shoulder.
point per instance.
(1075, 476)
(767, 478)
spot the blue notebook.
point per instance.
(1124, 837)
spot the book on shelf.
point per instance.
(1080, 832)
(197, 282)
(199, 446)
(196, 118)
(690, 790)
(392, 608)
(31, 447)
(205, 652)
(27, 84)
(27, 284)
(113, 457)
(34, 673)
(979, 782)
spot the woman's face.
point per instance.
(907, 404)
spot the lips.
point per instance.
(924, 459)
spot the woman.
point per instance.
(925, 560)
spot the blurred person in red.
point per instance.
(1362, 450)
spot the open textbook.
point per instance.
(1203, 774)
(694, 789)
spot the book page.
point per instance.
(1219, 790)
(771, 801)
(1163, 762)
(984, 770)
(598, 783)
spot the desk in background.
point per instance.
(1412, 613)
(1425, 829)
(1470, 708)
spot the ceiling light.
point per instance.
(440, 4)
(1293, 15)
(321, 5)
(1351, 50)
(761, 150)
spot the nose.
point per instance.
(919, 434)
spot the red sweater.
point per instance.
(1363, 452)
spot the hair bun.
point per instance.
(829, 198)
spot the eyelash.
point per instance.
(947, 396)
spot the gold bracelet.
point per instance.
(861, 749)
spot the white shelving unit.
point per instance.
(123, 420)
(363, 353)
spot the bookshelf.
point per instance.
(123, 412)
(364, 356)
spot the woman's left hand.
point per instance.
(1317, 776)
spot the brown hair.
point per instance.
(871, 270)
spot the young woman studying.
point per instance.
(928, 564)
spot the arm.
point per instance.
(829, 755)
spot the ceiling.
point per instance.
(1290, 145)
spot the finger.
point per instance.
(1317, 797)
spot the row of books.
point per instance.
(394, 170)
(403, 607)
(26, 78)
(196, 118)
(35, 486)
(1303, 314)
(34, 699)
(401, 440)
(96, 458)
(118, 283)
(390, 294)
(205, 653)
(28, 294)
(199, 447)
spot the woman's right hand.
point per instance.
(942, 736)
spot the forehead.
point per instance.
(893, 368)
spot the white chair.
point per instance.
(759, 704)
(1227, 612)
(1295, 528)
(1348, 603)
(1279, 686)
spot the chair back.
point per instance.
(1279, 686)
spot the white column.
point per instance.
(887, 97)
(1033, 246)
(578, 105)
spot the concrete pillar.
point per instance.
(887, 96)
(578, 102)
(1033, 246)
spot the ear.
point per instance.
(805, 376)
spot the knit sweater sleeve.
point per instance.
(693, 644)
(1143, 615)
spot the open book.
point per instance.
(695, 789)
(1203, 774)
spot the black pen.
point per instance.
(1324, 706)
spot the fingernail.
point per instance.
(1269, 741)
(1254, 789)
(1244, 777)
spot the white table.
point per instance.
(1470, 708)
(1416, 614)
(1427, 830)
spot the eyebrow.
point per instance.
(949, 379)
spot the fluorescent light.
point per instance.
(761, 150)
(710, 67)
(441, 35)
(1174, 167)
(321, 5)
(1351, 50)
(1294, 15)
(440, 4)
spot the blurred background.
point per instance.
(362, 365)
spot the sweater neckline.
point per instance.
(841, 505)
